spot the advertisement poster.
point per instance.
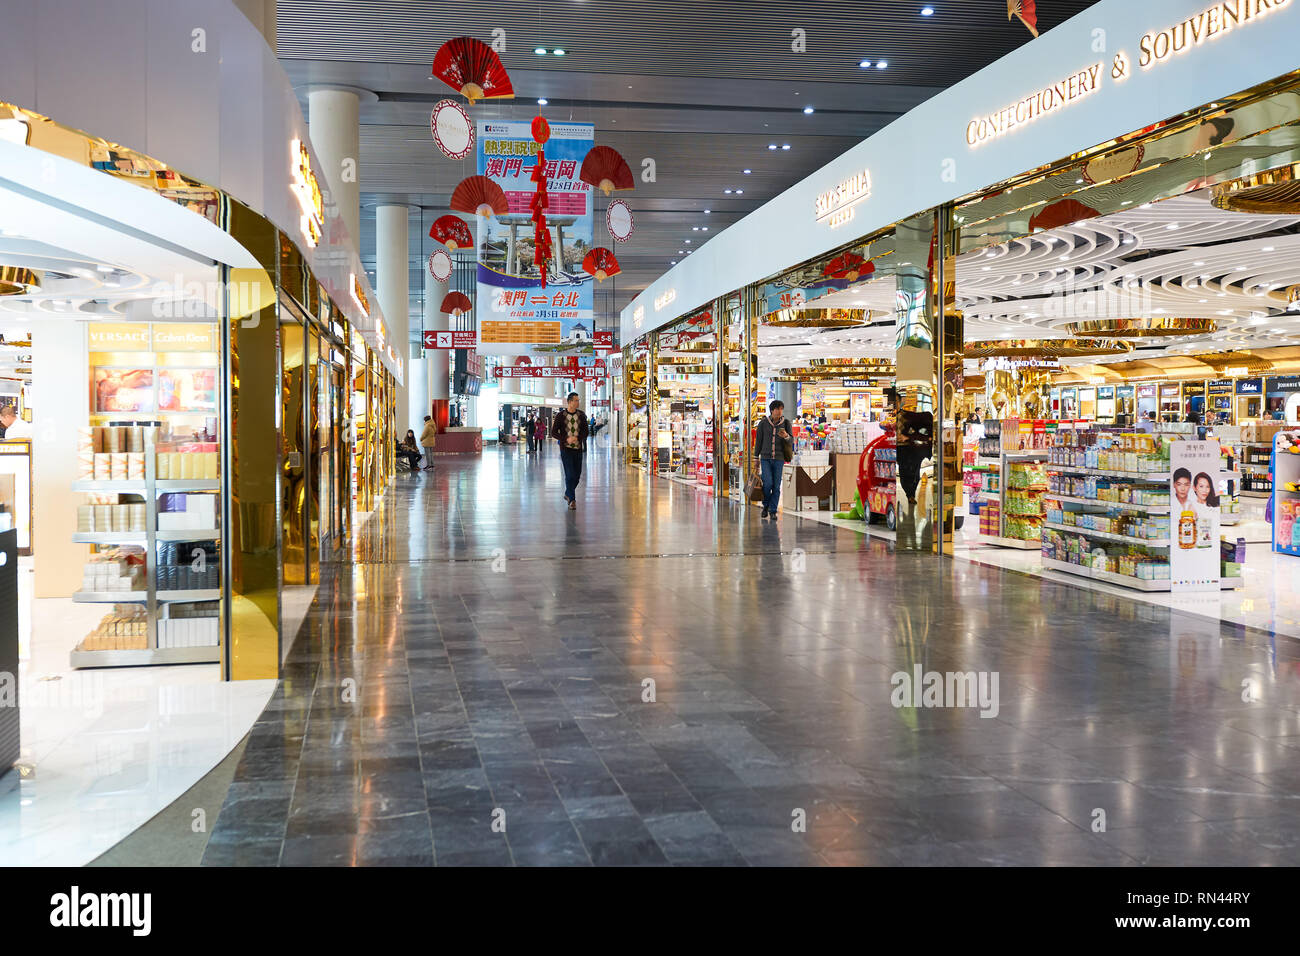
(1194, 515)
(187, 390)
(516, 315)
(123, 390)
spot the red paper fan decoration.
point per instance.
(600, 262)
(849, 266)
(480, 196)
(541, 130)
(605, 169)
(472, 68)
(1061, 214)
(452, 232)
(456, 303)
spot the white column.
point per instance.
(334, 121)
(393, 286)
(438, 364)
(58, 355)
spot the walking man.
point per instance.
(428, 438)
(774, 432)
(570, 430)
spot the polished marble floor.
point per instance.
(657, 678)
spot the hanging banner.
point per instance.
(1194, 483)
(516, 315)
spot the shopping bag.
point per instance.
(754, 487)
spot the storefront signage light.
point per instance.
(836, 205)
(855, 383)
(638, 316)
(1059, 95)
(665, 299)
(1250, 386)
(306, 189)
(1213, 21)
(359, 296)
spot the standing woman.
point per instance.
(570, 429)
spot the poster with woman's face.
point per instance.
(123, 390)
(1194, 516)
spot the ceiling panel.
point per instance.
(702, 88)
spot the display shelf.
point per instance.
(111, 597)
(154, 601)
(1113, 505)
(1157, 476)
(137, 538)
(1262, 495)
(208, 654)
(185, 594)
(184, 534)
(1108, 535)
(1285, 503)
(1023, 544)
(1124, 580)
(136, 487)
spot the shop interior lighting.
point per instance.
(542, 102)
(807, 110)
(927, 11)
(540, 51)
(881, 64)
(785, 145)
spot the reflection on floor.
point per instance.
(659, 678)
(104, 750)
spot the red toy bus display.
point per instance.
(877, 478)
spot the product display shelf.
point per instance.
(1124, 580)
(1007, 457)
(1286, 503)
(150, 596)
(1107, 535)
(1152, 476)
(1111, 505)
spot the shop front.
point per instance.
(1103, 281)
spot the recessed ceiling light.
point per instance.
(704, 228)
(1267, 249)
(740, 192)
(681, 252)
(695, 228)
(771, 145)
(807, 109)
(542, 102)
(1172, 225)
(540, 51)
(785, 145)
(688, 240)
(1198, 263)
(927, 11)
(881, 64)
(558, 52)
(864, 63)
(727, 191)
(673, 263)
(707, 211)
(748, 171)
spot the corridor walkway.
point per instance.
(658, 678)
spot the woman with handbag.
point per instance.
(773, 448)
